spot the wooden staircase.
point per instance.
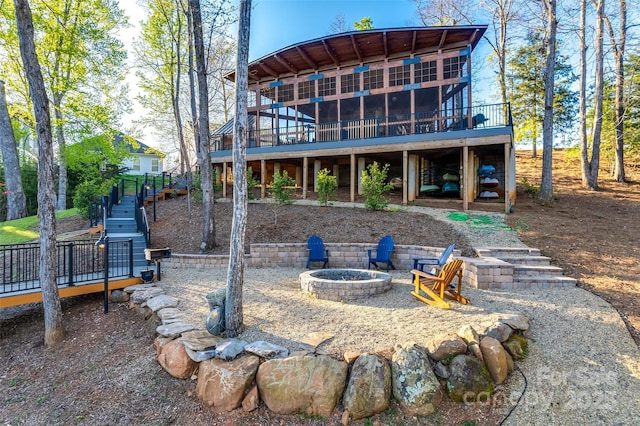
(121, 226)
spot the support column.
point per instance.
(361, 167)
(336, 173)
(465, 179)
(305, 176)
(507, 177)
(276, 168)
(316, 169)
(263, 179)
(218, 175)
(352, 178)
(405, 177)
(413, 177)
(224, 180)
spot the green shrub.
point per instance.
(530, 189)
(281, 190)
(88, 192)
(373, 186)
(252, 183)
(327, 186)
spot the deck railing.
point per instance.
(475, 117)
(77, 262)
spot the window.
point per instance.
(135, 164)
(373, 79)
(251, 98)
(452, 66)
(425, 71)
(350, 83)
(267, 95)
(327, 86)
(306, 89)
(154, 165)
(399, 76)
(285, 93)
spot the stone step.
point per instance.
(507, 251)
(549, 281)
(527, 260)
(535, 270)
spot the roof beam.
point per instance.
(442, 39)
(473, 37)
(285, 64)
(268, 69)
(384, 43)
(413, 42)
(306, 58)
(330, 53)
(356, 48)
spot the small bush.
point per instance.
(252, 183)
(281, 190)
(327, 186)
(530, 189)
(373, 185)
(89, 191)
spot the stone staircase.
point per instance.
(516, 268)
(121, 226)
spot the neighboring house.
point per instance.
(400, 96)
(145, 159)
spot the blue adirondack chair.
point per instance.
(383, 253)
(433, 262)
(317, 252)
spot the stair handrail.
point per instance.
(142, 222)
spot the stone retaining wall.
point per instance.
(478, 272)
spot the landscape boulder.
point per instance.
(467, 379)
(222, 384)
(173, 358)
(369, 388)
(445, 346)
(413, 382)
(495, 358)
(310, 385)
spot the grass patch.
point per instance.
(20, 230)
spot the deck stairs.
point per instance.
(121, 226)
(530, 268)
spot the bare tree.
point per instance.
(582, 120)
(618, 47)
(235, 274)
(202, 130)
(339, 24)
(590, 167)
(53, 328)
(546, 185)
(16, 201)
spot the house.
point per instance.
(144, 159)
(400, 96)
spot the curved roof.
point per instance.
(359, 47)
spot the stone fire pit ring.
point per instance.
(344, 284)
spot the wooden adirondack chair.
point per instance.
(383, 253)
(437, 288)
(317, 252)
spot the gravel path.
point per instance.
(582, 368)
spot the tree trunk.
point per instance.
(582, 120)
(206, 170)
(591, 167)
(53, 328)
(185, 162)
(546, 186)
(235, 273)
(618, 50)
(62, 145)
(16, 200)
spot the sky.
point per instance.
(277, 24)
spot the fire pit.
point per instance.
(344, 284)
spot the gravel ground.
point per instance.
(583, 367)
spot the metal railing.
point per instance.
(77, 262)
(474, 117)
